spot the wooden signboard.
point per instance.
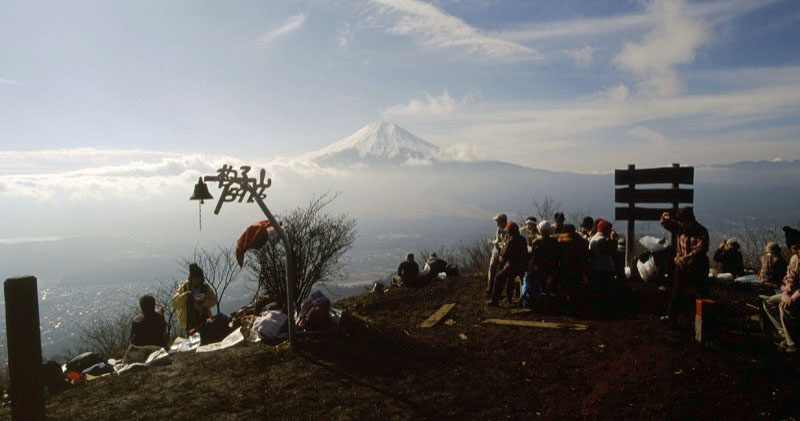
(631, 196)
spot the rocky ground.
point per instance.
(382, 365)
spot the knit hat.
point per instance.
(512, 228)
(603, 225)
(195, 271)
(544, 227)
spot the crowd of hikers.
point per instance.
(558, 259)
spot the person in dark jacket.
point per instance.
(792, 236)
(602, 248)
(773, 266)
(513, 257)
(148, 328)
(691, 259)
(408, 271)
(436, 264)
(730, 258)
(573, 262)
(558, 225)
(543, 263)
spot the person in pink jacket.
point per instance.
(783, 308)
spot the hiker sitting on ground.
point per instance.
(149, 328)
(497, 244)
(434, 266)
(773, 265)
(193, 300)
(558, 225)
(513, 257)
(730, 258)
(691, 260)
(783, 308)
(602, 249)
(408, 272)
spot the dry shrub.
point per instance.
(318, 240)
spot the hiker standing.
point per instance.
(497, 244)
(587, 228)
(573, 264)
(773, 265)
(691, 260)
(513, 257)
(194, 299)
(529, 230)
(601, 250)
(730, 258)
(784, 307)
(558, 223)
(543, 264)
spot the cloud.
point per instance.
(431, 105)
(581, 56)
(98, 175)
(292, 24)
(345, 36)
(714, 13)
(649, 136)
(434, 29)
(672, 42)
(9, 82)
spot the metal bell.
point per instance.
(201, 191)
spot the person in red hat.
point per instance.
(514, 259)
(691, 259)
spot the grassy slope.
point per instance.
(384, 366)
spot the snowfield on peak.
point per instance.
(375, 144)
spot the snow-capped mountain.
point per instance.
(376, 144)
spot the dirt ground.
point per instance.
(382, 365)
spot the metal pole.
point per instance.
(24, 348)
(291, 269)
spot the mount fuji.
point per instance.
(376, 144)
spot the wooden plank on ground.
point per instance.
(528, 323)
(438, 315)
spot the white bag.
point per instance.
(648, 270)
(269, 324)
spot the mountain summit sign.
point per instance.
(674, 196)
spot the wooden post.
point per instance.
(24, 348)
(675, 187)
(630, 235)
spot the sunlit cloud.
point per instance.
(292, 24)
(434, 29)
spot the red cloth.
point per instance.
(254, 237)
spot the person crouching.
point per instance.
(193, 300)
(408, 272)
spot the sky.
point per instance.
(107, 98)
